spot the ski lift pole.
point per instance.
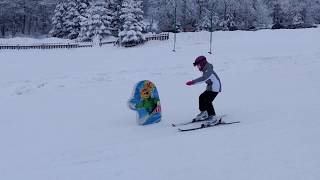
(211, 29)
(175, 26)
(210, 52)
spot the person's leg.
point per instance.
(209, 97)
(202, 101)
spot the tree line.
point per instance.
(39, 17)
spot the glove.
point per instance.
(189, 83)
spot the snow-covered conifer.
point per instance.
(116, 22)
(71, 22)
(58, 28)
(132, 16)
(97, 22)
(76, 11)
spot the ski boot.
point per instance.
(212, 121)
(202, 116)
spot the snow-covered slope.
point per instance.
(31, 41)
(63, 113)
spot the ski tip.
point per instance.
(182, 130)
(234, 122)
(173, 125)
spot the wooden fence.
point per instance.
(161, 36)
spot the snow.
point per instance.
(64, 114)
(32, 41)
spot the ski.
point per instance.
(202, 126)
(194, 121)
(190, 122)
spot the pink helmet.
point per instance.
(201, 60)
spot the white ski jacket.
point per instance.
(210, 78)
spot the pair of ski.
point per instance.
(206, 123)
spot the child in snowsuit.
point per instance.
(213, 88)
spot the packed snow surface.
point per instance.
(31, 41)
(64, 114)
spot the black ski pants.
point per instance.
(205, 102)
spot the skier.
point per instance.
(213, 88)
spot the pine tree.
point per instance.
(132, 16)
(116, 23)
(299, 13)
(72, 23)
(96, 24)
(315, 11)
(58, 29)
(83, 6)
(76, 10)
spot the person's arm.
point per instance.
(206, 75)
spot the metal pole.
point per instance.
(175, 26)
(211, 27)
(210, 52)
